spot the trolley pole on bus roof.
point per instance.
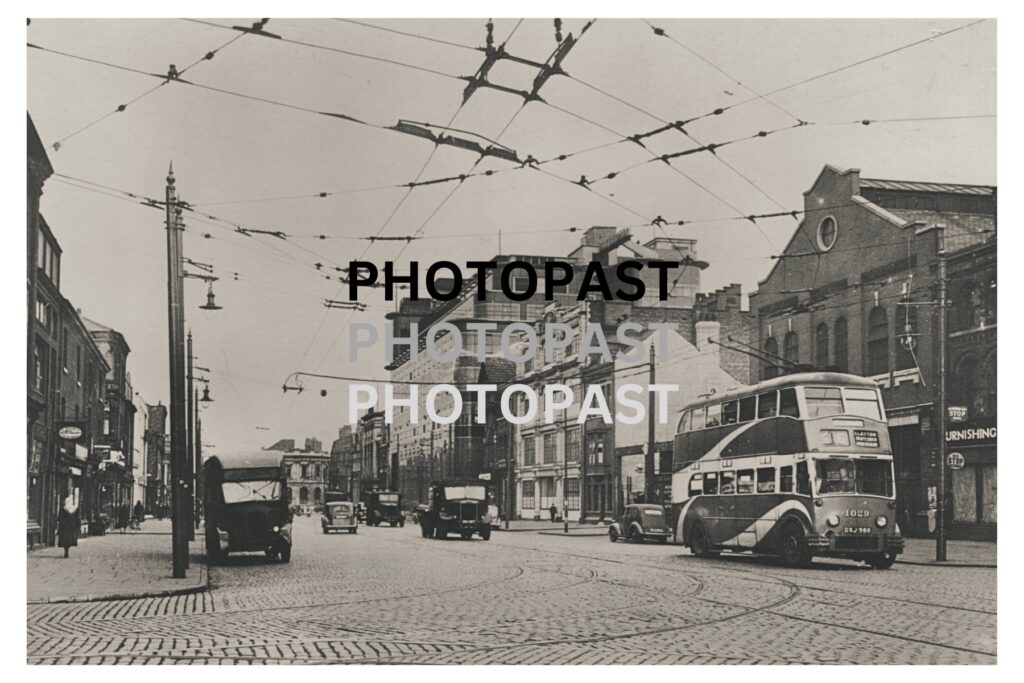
(940, 497)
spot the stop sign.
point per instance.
(955, 461)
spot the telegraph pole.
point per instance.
(940, 498)
(176, 346)
(191, 426)
(649, 455)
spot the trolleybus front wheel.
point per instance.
(882, 560)
(793, 551)
(699, 544)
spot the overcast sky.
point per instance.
(227, 149)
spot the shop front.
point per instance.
(971, 457)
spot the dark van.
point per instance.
(245, 498)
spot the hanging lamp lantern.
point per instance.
(210, 304)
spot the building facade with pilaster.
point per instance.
(856, 290)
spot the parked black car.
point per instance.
(640, 522)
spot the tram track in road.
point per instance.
(796, 589)
(822, 573)
(415, 648)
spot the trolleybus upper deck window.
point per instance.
(787, 403)
(748, 408)
(767, 405)
(863, 402)
(730, 412)
(823, 401)
(698, 417)
(714, 415)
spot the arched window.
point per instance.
(791, 349)
(317, 494)
(878, 341)
(821, 346)
(303, 495)
(771, 353)
(839, 351)
(907, 337)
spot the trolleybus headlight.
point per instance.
(276, 529)
(881, 520)
(833, 520)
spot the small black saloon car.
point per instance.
(640, 522)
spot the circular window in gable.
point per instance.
(828, 231)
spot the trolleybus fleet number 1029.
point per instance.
(794, 467)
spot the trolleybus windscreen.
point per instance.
(841, 475)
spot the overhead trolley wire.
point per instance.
(398, 128)
(410, 35)
(122, 107)
(662, 32)
(721, 110)
(328, 48)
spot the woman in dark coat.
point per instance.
(123, 514)
(67, 525)
(140, 513)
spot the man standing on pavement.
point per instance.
(554, 512)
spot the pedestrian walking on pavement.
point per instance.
(67, 525)
(140, 514)
(554, 512)
(123, 514)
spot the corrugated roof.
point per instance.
(911, 186)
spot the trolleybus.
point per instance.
(794, 467)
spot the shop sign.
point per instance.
(70, 432)
(956, 413)
(976, 432)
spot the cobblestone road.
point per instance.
(388, 595)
